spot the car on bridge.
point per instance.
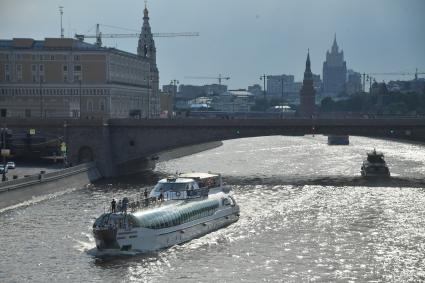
(3, 169)
(11, 165)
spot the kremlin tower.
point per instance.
(307, 93)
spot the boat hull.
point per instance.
(377, 173)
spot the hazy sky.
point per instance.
(242, 38)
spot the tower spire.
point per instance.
(335, 45)
(307, 73)
(146, 47)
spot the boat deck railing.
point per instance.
(143, 203)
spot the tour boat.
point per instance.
(375, 165)
(338, 140)
(177, 210)
(175, 189)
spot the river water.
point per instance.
(306, 215)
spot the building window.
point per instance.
(76, 57)
(77, 68)
(52, 57)
(34, 68)
(41, 67)
(34, 78)
(90, 106)
(102, 105)
(41, 78)
(6, 67)
(65, 78)
(7, 78)
(18, 56)
(65, 68)
(27, 113)
(19, 72)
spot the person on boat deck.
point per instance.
(125, 202)
(113, 206)
(161, 196)
(145, 194)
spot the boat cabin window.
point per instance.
(226, 201)
(132, 221)
(209, 182)
(375, 158)
(177, 215)
(165, 187)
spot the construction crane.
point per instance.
(99, 35)
(219, 78)
(398, 74)
(369, 77)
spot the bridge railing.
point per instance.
(44, 177)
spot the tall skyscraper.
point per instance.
(334, 71)
(307, 93)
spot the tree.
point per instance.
(327, 104)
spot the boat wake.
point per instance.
(38, 199)
(110, 254)
(393, 181)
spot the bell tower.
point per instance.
(146, 47)
(147, 50)
(307, 93)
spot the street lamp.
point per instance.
(263, 78)
(81, 103)
(41, 99)
(64, 145)
(174, 83)
(3, 153)
(281, 81)
(149, 98)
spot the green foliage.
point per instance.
(389, 104)
(262, 104)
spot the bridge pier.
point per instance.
(91, 143)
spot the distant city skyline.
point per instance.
(241, 38)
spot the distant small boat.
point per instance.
(338, 140)
(375, 165)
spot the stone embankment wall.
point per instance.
(17, 191)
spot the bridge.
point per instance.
(128, 145)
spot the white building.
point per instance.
(234, 101)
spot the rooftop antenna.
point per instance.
(61, 13)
